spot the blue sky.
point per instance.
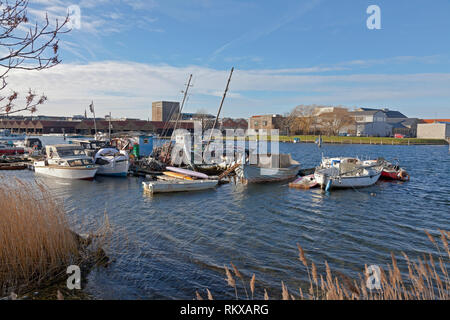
(127, 54)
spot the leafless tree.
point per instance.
(204, 118)
(25, 46)
(332, 122)
(300, 119)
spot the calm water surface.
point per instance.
(174, 244)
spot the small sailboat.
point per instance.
(269, 168)
(346, 173)
(112, 162)
(67, 162)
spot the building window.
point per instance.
(265, 123)
(256, 123)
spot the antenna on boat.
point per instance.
(220, 107)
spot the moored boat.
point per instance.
(346, 173)
(6, 149)
(269, 168)
(112, 162)
(306, 182)
(67, 162)
(178, 185)
(391, 171)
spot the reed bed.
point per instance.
(425, 278)
(36, 241)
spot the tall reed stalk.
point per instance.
(36, 243)
(426, 278)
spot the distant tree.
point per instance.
(332, 122)
(203, 117)
(25, 46)
(300, 119)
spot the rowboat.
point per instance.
(177, 175)
(177, 185)
(306, 182)
(346, 173)
(67, 162)
(187, 172)
(269, 168)
(391, 171)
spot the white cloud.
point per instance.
(128, 88)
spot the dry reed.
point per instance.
(36, 243)
(425, 279)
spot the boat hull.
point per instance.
(178, 186)
(255, 174)
(347, 182)
(66, 173)
(114, 169)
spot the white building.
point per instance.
(437, 130)
(371, 123)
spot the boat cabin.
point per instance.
(68, 155)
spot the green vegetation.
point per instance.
(365, 140)
(353, 140)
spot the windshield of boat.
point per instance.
(80, 162)
(69, 152)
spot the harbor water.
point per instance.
(178, 243)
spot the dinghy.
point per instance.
(306, 182)
(391, 171)
(177, 185)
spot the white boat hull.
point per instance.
(66, 173)
(178, 186)
(118, 169)
(255, 174)
(347, 182)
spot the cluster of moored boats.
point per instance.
(347, 172)
(84, 159)
(75, 161)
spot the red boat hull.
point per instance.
(395, 175)
(11, 151)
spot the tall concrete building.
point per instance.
(165, 110)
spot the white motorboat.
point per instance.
(66, 161)
(269, 168)
(177, 185)
(112, 162)
(346, 173)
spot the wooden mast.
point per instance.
(220, 107)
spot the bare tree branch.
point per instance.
(28, 47)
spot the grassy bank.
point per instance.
(36, 241)
(365, 140)
(353, 140)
